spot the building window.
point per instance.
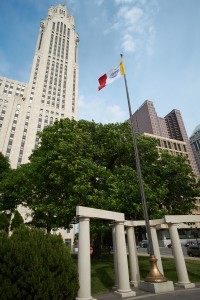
(58, 24)
(68, 242)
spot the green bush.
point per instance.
(35, 265)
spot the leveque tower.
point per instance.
(50, 94)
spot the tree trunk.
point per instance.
(97, 245)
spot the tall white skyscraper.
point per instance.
(50, 94)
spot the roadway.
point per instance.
(164, 251)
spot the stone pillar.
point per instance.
(124, 290)
(156, 248)
(181, 270)
(133, 258)
(115, 258)
(84, 263)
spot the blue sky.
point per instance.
(160, 41)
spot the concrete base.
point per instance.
(123, 295)
(185, 285)
(157, 288)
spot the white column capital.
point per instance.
(173, 224)
(119, 223)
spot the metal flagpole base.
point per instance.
(154, 274)
(155, 282)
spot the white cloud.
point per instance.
(135, 19)
(128, 43)
(115, 26)
(81, 100)
(150, 41)
(130, 16)
(99, 111)
(115, 113)
(124, 1)
(133, 2)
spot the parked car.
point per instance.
(193, 250)
(190, 243)
(143, 244)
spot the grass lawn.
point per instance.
(102, 271)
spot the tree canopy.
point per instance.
(91, 164)
(4, 165)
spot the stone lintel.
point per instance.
(182, 218)
(142, 223)
(88, 212)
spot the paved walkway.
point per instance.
(180, 294)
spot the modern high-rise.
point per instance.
(50, 94)
(169, 131)
(195, 144)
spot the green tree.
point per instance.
(90, 164)
(35, 265)
(5, 206)
(179, 183)
(13, 190)
(4, 222)
(17, 220)
(83, 163)
(4, 165)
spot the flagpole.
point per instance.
(154, 275)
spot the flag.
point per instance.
(111, 76)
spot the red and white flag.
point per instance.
(111, 76)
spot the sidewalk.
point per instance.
(178, 294)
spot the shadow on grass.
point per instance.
(102, 274)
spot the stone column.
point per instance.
(115, 287)
(133, 258)
(124, 289)
(84, 263)
(181, 270)
(156, 248)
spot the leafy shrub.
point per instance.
(35, 265)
